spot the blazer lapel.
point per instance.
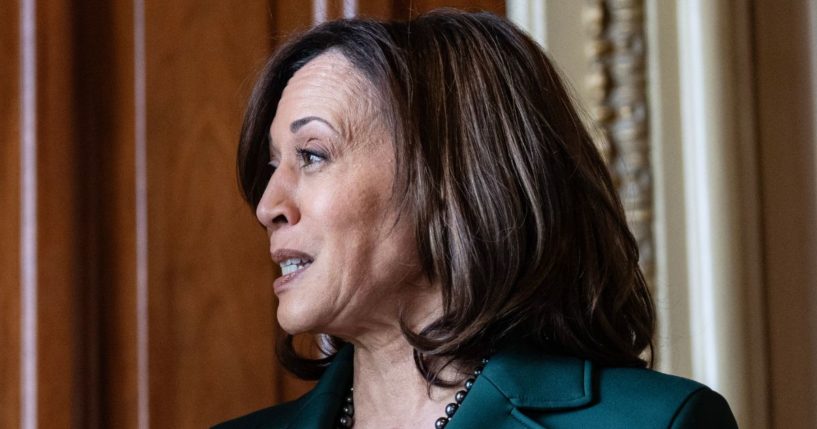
(321, 408)
(485, 407)
(519, 378)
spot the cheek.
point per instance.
(359, 242)
(353, 210)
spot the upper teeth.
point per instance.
(293, 264)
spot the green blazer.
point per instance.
(521, 388)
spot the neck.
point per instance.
(389, 390)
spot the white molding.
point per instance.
(669, 228)
(141, 216)
(319, 11)
(29, 360)
(530, 15)
(349, 8)
(720, 181)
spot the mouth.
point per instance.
(292, 264)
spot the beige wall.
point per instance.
(786, 54)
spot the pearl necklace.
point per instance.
(347, 413)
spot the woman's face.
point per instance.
(327, 209)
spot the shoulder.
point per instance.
(641, 383)
(557, 391)
(653, 399)
(274, 417)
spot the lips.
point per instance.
(293, 263)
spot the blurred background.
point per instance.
(136, 286)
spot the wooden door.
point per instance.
(136, 283)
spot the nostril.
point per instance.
(279, 219)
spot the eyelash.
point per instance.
(305, 156)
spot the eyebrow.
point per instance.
(298, 123)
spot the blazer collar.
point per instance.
(518, 376)
(530, 378)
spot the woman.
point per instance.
(445, 224)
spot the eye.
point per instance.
(310, 157)
(271, 167)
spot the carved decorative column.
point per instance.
(616, 84)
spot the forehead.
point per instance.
(328, 86)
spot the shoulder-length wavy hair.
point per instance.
(515, 214)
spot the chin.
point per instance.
(290, 323)
(296, 316)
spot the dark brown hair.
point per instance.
(516, 215)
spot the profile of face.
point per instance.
(346, 262)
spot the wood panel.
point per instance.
(9, 216)
(208, 327)
(103, 48)
(403, 9)
(54, 356)
(59, 241)
(288, 18)
(116, 221)
(210, 298)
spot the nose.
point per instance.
(277, 206)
